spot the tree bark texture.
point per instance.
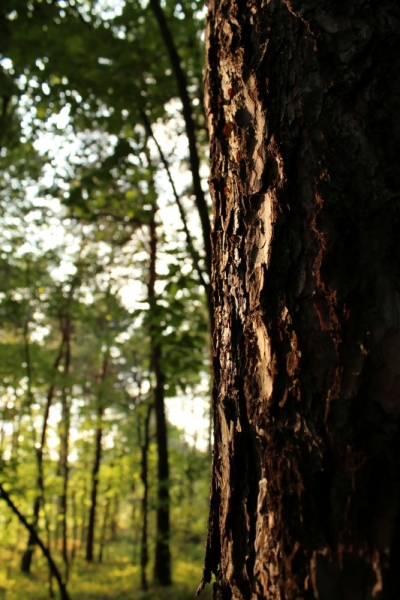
(304, 119)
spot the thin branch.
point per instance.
(192, 250)
(52, 565)
(190, 126)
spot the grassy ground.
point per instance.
(113, 580)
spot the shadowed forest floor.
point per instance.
(113, 580)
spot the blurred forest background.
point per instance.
(104, 299)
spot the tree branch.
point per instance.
(192, 250)
(180, 77)
(52, 565)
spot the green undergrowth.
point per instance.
(115, 579)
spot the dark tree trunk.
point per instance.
(64, 449)
(83, 521)
(74, 516)
(162, 561)
(26, 560)
(95, 486)
(98, 451)
(46, 552)
(103, 532)
(114, 518)
(190, 126)
(144, 476)
(64, 468)
(303, 107)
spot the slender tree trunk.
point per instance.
(304, 113)
(95, 484)
(194, 159)
(144, 476)
(103, 532)
(64, 449)
(26, 560)
(83, 532)
(115, 517)
(135, 541)
(162, 562)
(98, 450)
(65, 477)
(74, 515)
(46, 552)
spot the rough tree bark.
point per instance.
(304, 118)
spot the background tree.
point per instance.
(96, 131)
(302, 101)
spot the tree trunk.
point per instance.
(26, 560)
(83, 524)
(95, 486)
(64, 449)
(98, 450)
(74, 516)
(162, 564)
(144, 476)
(187, 112)
(46, 552)
(303, 108)
(103, 532)
(162, 561)
(114, 522)
(65, 476)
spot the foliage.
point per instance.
(79, 180)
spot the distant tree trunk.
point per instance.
(96, 462)
(103, 532)
(64, 447)
(187, 111)
(46, 552)
(63, 504)
(144, 476)
(74, 516)
(304, 117)
(27, 556)
(162, 562)
(114, 517)
(83, 532)
(95, 485)
(136, 535)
